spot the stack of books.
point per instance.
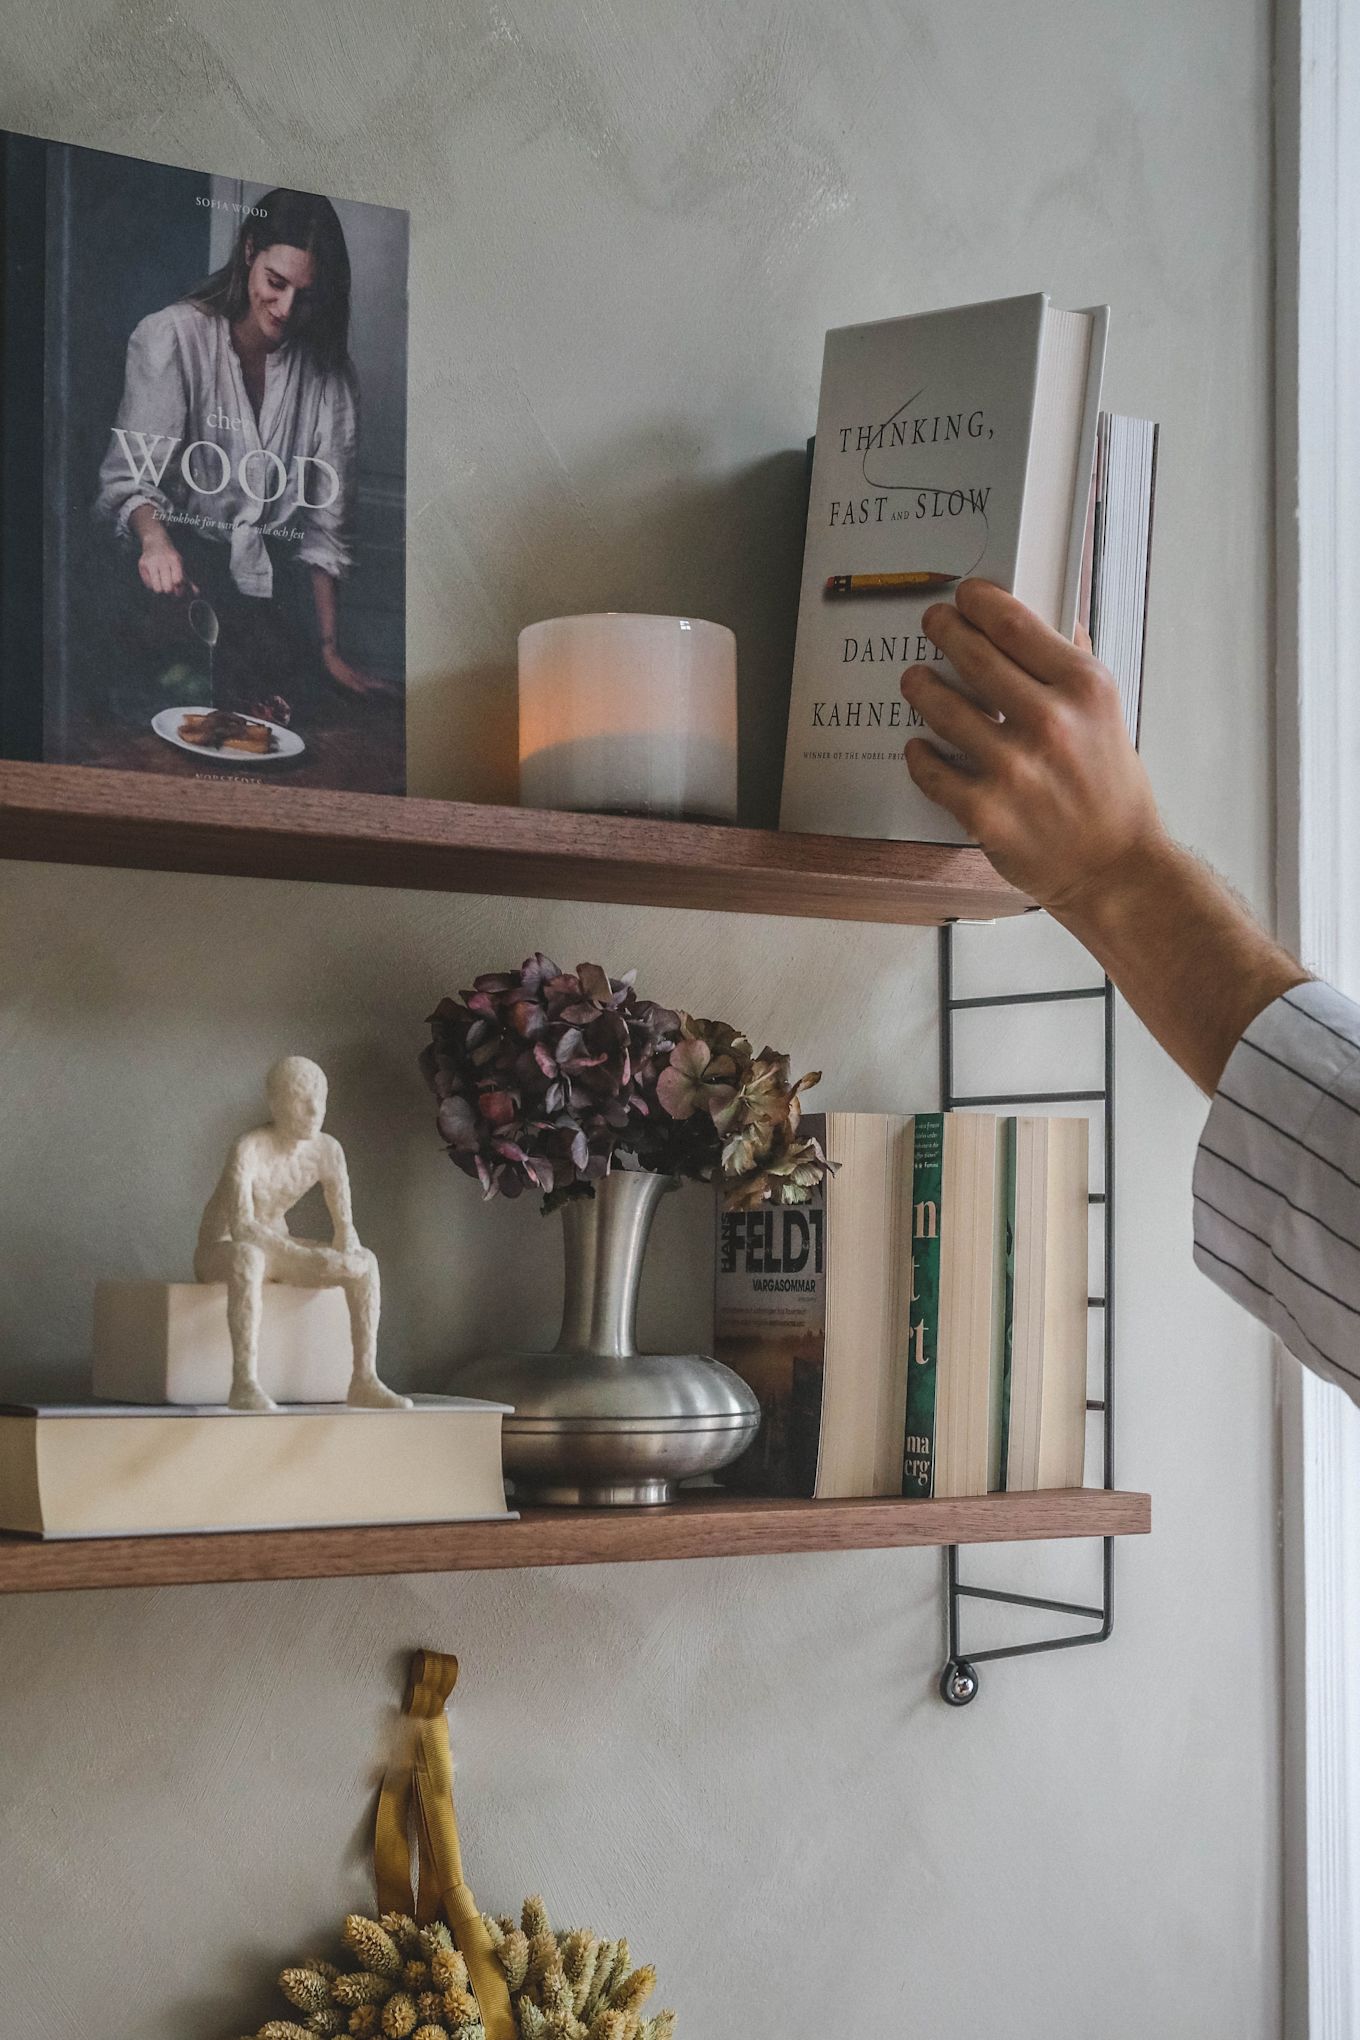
(920, 1328)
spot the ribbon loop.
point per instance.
(429, 1682)
(419, 1781)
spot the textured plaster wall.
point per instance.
(631, 224)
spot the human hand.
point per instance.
(1049, 783)
(351, 679)
(161, 567)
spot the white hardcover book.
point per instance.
(108, 1470)
(948, 444)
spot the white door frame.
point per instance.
(1317, 274)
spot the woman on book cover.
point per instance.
(230, 469)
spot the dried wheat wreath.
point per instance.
(432, 1967)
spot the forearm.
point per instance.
(1190, 961)
(342, 1219)
(144, 523)
(323, 599)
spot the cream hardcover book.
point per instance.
(113, 1470)
(1046, 1401)
(953, 443)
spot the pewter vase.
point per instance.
(594, 1421)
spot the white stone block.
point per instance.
(167, 1342)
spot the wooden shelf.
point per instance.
(698, 1527)
(72, 814)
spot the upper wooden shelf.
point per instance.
(701, 1526)
(74, 814)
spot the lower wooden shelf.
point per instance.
(701, 1526)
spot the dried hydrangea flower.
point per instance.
(543, 1075)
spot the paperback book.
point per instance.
(202, 472)
(811, 1310)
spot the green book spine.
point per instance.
(927, 1181)
(1008, 1302)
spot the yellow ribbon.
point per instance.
(419, 1780)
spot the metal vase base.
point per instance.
(591, 1430)
(597, 1424)
(628, 1494)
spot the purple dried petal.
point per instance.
(595, 983)
(457, 1123)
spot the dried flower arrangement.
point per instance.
(548, 1079)
(408, 1982)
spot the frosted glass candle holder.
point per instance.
(633, 715)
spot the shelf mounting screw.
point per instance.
(958, 1683)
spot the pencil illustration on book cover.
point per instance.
(202, 472)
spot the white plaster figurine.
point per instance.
(244, 1239)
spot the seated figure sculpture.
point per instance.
(244, 1239)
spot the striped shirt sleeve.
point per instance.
(1277, 1179)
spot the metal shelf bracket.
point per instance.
(959, 1682)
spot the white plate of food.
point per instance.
(227, 738)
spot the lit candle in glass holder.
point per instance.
(632, 715)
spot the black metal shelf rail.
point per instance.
(959, 1679)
